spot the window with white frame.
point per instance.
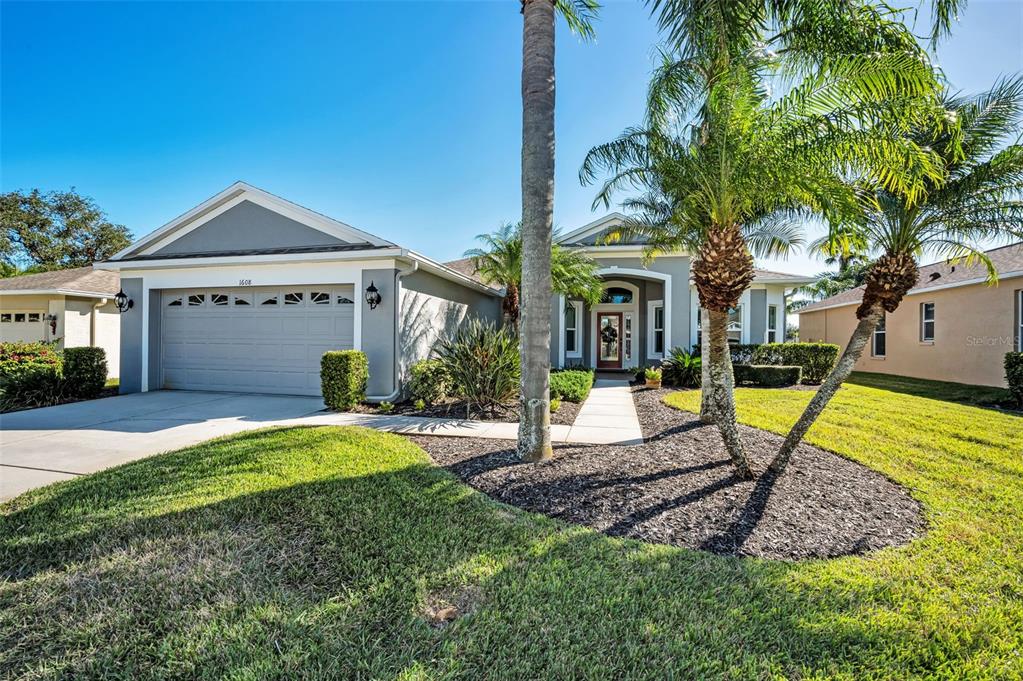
(628, 336)
(927, 322)
(735, 325)
(573, 325)
(1019, 320)
(772, 323)
(655, 331)
(878, 342)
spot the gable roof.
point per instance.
(591, 229)
(233, 196)
(80, 281)
(1008, 260)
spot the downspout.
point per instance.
(92, 321)
(397, 347)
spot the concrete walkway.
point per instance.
(607, 417)
(41, 446)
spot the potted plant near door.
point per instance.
(653, 377)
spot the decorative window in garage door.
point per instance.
(268, 298)
(319, 298)
(293, 298)
(218, 299)
(241, 299)
(175, 302)
(197, 300)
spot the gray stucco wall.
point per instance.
(155, 354)
(131, 338)
(378, 330)
(248, 226)
(757, 315)
(433, 308)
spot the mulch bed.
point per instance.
(677, 488)
(565, 415)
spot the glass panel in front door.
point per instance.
(610, 333)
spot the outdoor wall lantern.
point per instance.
(123, 302)
(372, 296)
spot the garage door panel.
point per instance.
(263, 348)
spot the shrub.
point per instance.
(816, 359)
(652, 374)
(39, 385)
(555, 404)
(483, 363)
(682, 369)
(767, 376)
(85, 371)
(419, 404)
(571, 385)
(1014, 375)
(742, 353)
(15, 356)
(343, 377)
(430, 381)
(385, 407)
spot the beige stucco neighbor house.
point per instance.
(74, 307)
(951, 327)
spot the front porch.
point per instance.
(630, 327)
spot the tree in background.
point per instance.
(534, 442)
(977, 200)
(55, 230)
(499, 261)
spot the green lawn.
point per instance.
(979, 395)
(321, 552)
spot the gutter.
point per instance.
(397, 345)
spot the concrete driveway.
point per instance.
(40, 446)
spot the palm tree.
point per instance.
(728, 170)
(538, 16)
(978, 200)
(573, 274)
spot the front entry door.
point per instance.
(609, 340)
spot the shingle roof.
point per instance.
(79, 279)
(464, 267)
(1006, 259)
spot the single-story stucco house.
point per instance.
(951, 326)
(74, 307)
(247, 290)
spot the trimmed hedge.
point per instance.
(816, 359)
(767, 376)
(571, 385)
(16, 356)
(343, 378)
(1014, 375)
(33, 385)
(85, 371)
(430, 381)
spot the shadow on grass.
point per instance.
(224, 560)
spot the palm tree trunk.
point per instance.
(708, 414)
(861, 334)
(722, 383)
(534, 441)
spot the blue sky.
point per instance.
(400, 118)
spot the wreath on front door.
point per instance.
(608, 334)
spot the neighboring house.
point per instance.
(246, 291)
(950, 327)
(649, 309)
(73, 307)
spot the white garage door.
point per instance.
(259, 340)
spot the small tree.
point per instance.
(977, 199)
(500, 262)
